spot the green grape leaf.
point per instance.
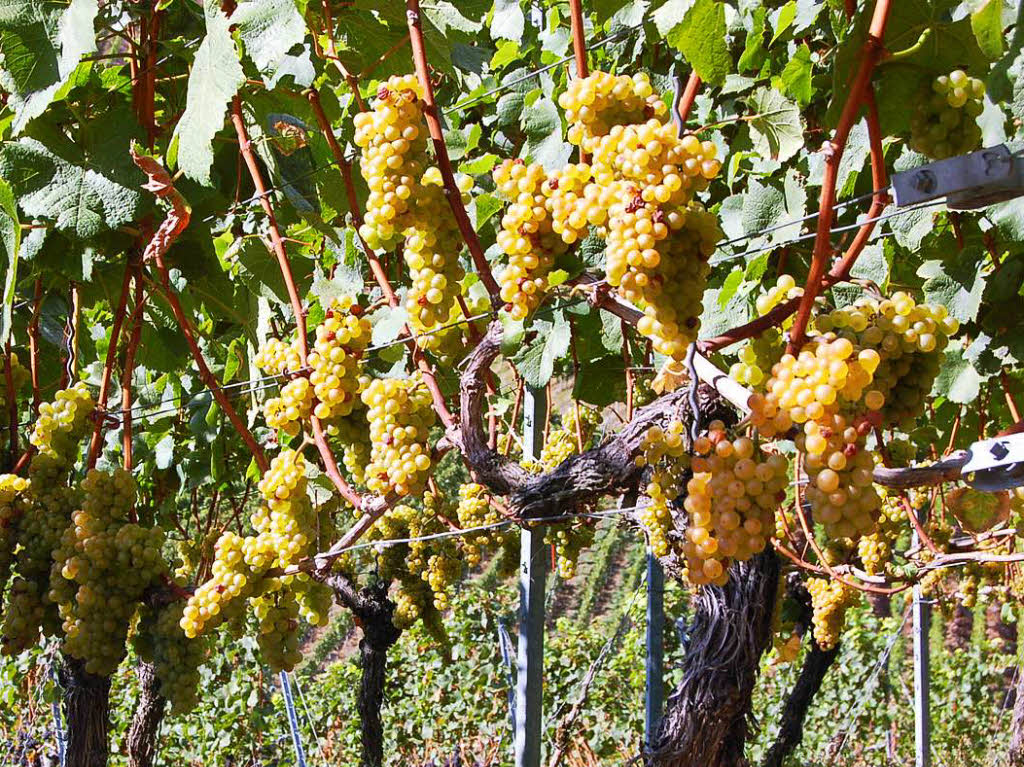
(701, 38)
(215, 79)
(754, 53)
(508, 21)
(670, 15)
(987, 24)
(795, 79)
(542, 124)
(775, 128)
(387, 324)
(10, 247)
(85, 193)
(957, 380)
(602, 381)
(784, 20)
(163, 452)
(961, 298)
(41, 44)
(269, 30)
(536, 362)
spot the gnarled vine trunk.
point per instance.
(141, 741)
(374, 612)
(708, 717)
(87, 711)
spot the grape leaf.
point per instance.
(84, 193)
(387, 324)
(215, 79)
(670, 15)
(536, 361)
(776, 129)
(10, 245)
(542, 124)
(701, 38)
(41, 45)
(961, 299)
(754, 54)
(795, 79)
(269, 29)
(957, 380)
(987, 24)
(508, 21)
(783, 20)
(602, 381)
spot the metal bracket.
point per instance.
(995, 464)
(967, 182)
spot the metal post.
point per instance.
(654, 689)
(922, 613)
(533, 563)
(293, 720)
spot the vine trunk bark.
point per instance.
(1016, 755)
(87, 709)
(141, 741)
(708, 717)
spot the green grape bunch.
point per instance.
(945, 124)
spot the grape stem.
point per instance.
(128, 368)
(177, 220)
(833, 150)
(108, 366)
(33, 345)
(430, 114)
(906, 53)
(579, 43)
(12, 404)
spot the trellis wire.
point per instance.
(840, 739)
(309, 718)
(293, 720)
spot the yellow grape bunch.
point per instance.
(829, 600)
(334, 360)
(400, 412)
(731, 501)
(285, 519)
(393, 146)
(665, 452)
(101, 570)
(594, 105)
(12, 505)
(329, 386)
(63, 421)
(432, 245)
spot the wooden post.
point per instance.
(533, 563)
(654, 688)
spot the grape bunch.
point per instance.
(351, 435)
(945, 123)
(159, 640)
(393, 146)
(334, 360)
(232, 578)
(829, 600)
(275, 357)
(475, 510)
(574, 202)
(48, 502)
(62, 423)
(665, 452)
(12, 489)
(288, 411)
(569, 540)
(595, 104)
(527, 236)
(314, 598)
(278, 615)
(784, 289)
(101, 569)
(400, 414)
(658, 259)
(286, 517)
(19, 377)
(757, 356)
(564, 441)
(432, 245)
(731, 501)
(452, 341)
(908, 338)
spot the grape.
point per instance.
(63, 422)
(275, 357)
(19, 377)
(830, 600)
(393, 146)
(286, 516)
(400, 414)
(278, 614)
(475, 510)
(595, 104)
(945, 123)
(665, 452)
(12, 491)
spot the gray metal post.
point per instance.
(922, 613)
(532, 574)
(654, 689)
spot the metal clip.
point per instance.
(967, 182)
(995, 464)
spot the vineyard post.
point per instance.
(533, 563)
(922, 613)
(293, 720)
(654, 691)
